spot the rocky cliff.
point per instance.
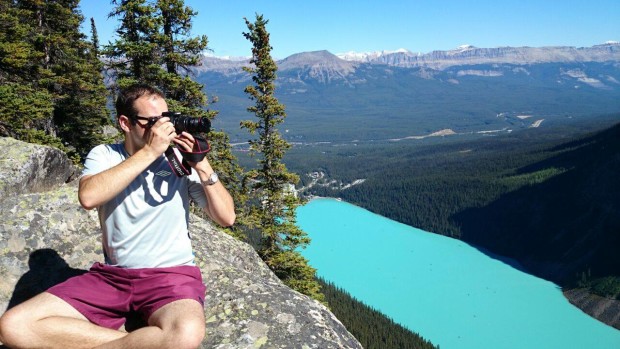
(46, 237)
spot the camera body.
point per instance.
(188, 123)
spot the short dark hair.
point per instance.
(127, 97)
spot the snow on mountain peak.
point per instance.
(367, 56)
(227, 58)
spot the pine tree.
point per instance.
(271, 185)
(94, 37)
(155, 46)
(25, 105)
(58, 72)
(131, 56)
(80, 108)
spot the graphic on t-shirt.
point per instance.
(151, 183)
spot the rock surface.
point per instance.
(46, 237)
(604, 309)
(28, 167)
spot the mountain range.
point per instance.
(437, 60)
(399, 94)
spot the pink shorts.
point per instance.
(106, 294)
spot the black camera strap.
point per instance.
(181, 167)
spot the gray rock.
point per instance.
(30, 168)
(46, 237)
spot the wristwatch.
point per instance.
(213, 178)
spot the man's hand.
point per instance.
(187, 142)
(158, 137)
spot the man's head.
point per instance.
(126, 100)
(135, 105)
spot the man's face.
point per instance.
(146, 106)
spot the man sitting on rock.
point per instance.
(149, 265)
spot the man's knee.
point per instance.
(4, 323)
(12, 326)
(188, 335)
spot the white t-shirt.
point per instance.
(146, 225)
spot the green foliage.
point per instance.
(22, 108)
(49, 71)
(293, 269)
(371, 328)
(531, 178)
(271, 186)
(607, 287)
(155, 46)
(133, 55)
(231, 174)
(94, 37)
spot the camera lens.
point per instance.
(190, 124)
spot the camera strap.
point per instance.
(181, 167)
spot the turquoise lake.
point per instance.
(447, 291)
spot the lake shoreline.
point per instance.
(602, 309)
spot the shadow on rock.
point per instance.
(47, 269)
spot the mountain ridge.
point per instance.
(437, 59)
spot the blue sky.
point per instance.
(364, 25)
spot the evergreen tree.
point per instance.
(271, 185)
(25, 105)
(155, 47)
(94, 37)
(133, 53)
(57, 70)
(80, 112)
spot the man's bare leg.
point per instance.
(46, 321)
(178, 325)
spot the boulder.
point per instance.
(32, 168)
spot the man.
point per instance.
(149, 267)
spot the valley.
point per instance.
(510, 149)
(546, 197)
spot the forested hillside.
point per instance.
(565, 228)
(548, 199)
(369, 326)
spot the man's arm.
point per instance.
(220, 206)
(97, 189)
(100, 188)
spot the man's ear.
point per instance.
(125, 123)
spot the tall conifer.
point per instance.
(272, 185)
(94, 37)
(133, 54)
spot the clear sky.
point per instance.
(374, 25)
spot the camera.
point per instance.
(188, 123)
